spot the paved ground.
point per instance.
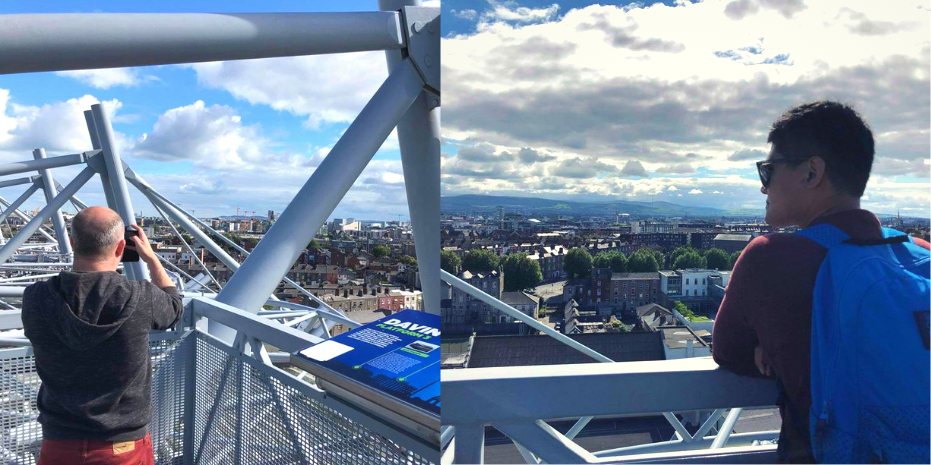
(549, 290)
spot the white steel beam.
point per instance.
(17, 182)
(490, 395)
(56, 42)
(13, 207)
(95, 142)
(274, 255)
(113, 166)
(419, 140)
(58, 221)
(24, 234)
(26, 217)
(42, 164)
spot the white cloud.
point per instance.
(695, 191)
(324, 88)
(58, 127)
(634, 168)
(467, 14)
(107, 78)
(683, 90)
(506, 12)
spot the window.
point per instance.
(702, 281)
(686, 292)
(686, 281)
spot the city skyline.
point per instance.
(674, 100)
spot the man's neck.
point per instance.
(835, 204)
(91, 265)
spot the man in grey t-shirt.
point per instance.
(89, 328)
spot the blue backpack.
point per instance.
(870, 381)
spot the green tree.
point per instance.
(642, 261)
(521, 272)
(684, 311)
(408, 260)
(314, 244)
(380, 251)
(577, 263)
(479, 260)
(615, 260)
(717, 259)
(733, 260)
(689, 260)
(449, 262)
(660, 259)
(678, 252)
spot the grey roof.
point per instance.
(649, 275)
(503, 351)
(734, 237)
(368, 316)
(644, 309)
(516, 298)
(454, 353)
(466, 274)
(677, 337)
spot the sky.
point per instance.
(211, 136)
(673, 101)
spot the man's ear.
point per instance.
(815, 172)
(119, 247)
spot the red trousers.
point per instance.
(88, 452)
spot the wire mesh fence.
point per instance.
(241, 414)
(247, 415)
(19, 388)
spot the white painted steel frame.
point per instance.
(419, 140)
(57, 42)
(30, 228)
(123, 205)
(132, 176)
(528, 424)
(58, 221)
(93, 41)
(505, 398)
(274, 255)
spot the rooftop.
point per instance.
(512, 351)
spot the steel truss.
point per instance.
(409, 99)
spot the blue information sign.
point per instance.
(398, 355)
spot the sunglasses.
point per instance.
(766, 168)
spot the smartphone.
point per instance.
(130, 255)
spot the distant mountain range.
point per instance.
(532, 206)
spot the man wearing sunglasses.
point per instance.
(816, 172)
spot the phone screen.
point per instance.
(130, 255)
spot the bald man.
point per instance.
(89, 330)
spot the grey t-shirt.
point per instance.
(90, 336)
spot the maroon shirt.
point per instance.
(768, 303)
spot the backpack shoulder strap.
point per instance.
(825, 235)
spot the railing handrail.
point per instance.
(508, 394)
(283, 337)
(520, 316)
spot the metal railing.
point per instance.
(510, 399)
(218, 403)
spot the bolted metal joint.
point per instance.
(422, 34)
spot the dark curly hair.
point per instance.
(833, 131)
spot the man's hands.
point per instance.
(761, 364)
(156, 272)
(141, 245)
